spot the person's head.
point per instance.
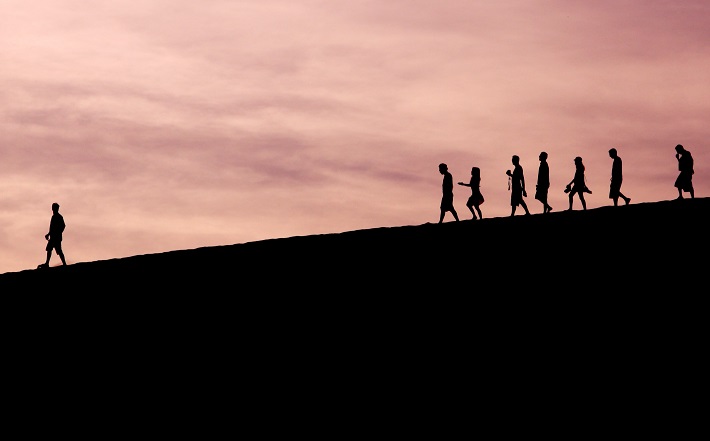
(543, 156)
(475, 172)
(612, 152)
(443, 168)
(516, 159)
(679, 148)
(55, 206)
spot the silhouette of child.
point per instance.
(476, 198)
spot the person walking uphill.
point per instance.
(543, 183)
(476, 198)
(54, 236)
(578, 184)
(447, 193)
(684, 181)
(616, 178)
(517, 187)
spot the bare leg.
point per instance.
(571, 195)
(581, 198)
(480, 215)
(525, 207)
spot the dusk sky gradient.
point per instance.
(163, 125)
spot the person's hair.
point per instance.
(543, 155)
(578, 159)
(444, 166)
(476, 172)
(516, 158)
(679, 148)
(612, 150)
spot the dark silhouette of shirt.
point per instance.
(616, 174)
(56, 227)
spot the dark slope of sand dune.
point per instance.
(572, 319)
(604, 248)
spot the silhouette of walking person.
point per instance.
(476, 198)
(543, 182)
(54, 236)
(616, 178)
(447, 193)
(684, 181)
(578, 184)
(517, 186)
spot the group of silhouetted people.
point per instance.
(577, 186)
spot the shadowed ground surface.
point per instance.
(591, 319)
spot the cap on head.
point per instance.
(55, 206)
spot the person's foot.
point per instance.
(42, 265)
(627, 200)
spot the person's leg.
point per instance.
(60, 253)
(441, 216)
(616, 201)
(571, 195)
(581, 198)
(456, 215)
(49, 256)
(470, 208)
(480, 214)
(692, 193)
(626, 200)
(680, 193)
(525, 207)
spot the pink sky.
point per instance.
(161, 125)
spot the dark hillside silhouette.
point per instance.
(370, 327)
(656, 241)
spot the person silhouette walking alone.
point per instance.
(447, 193)
(54, 236)
(684, 181)
(578, 184)
(616, 178)
(543, 182)
(517, 187)
(476, 198)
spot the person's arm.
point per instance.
(464, 184)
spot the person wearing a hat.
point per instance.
(54, 237)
